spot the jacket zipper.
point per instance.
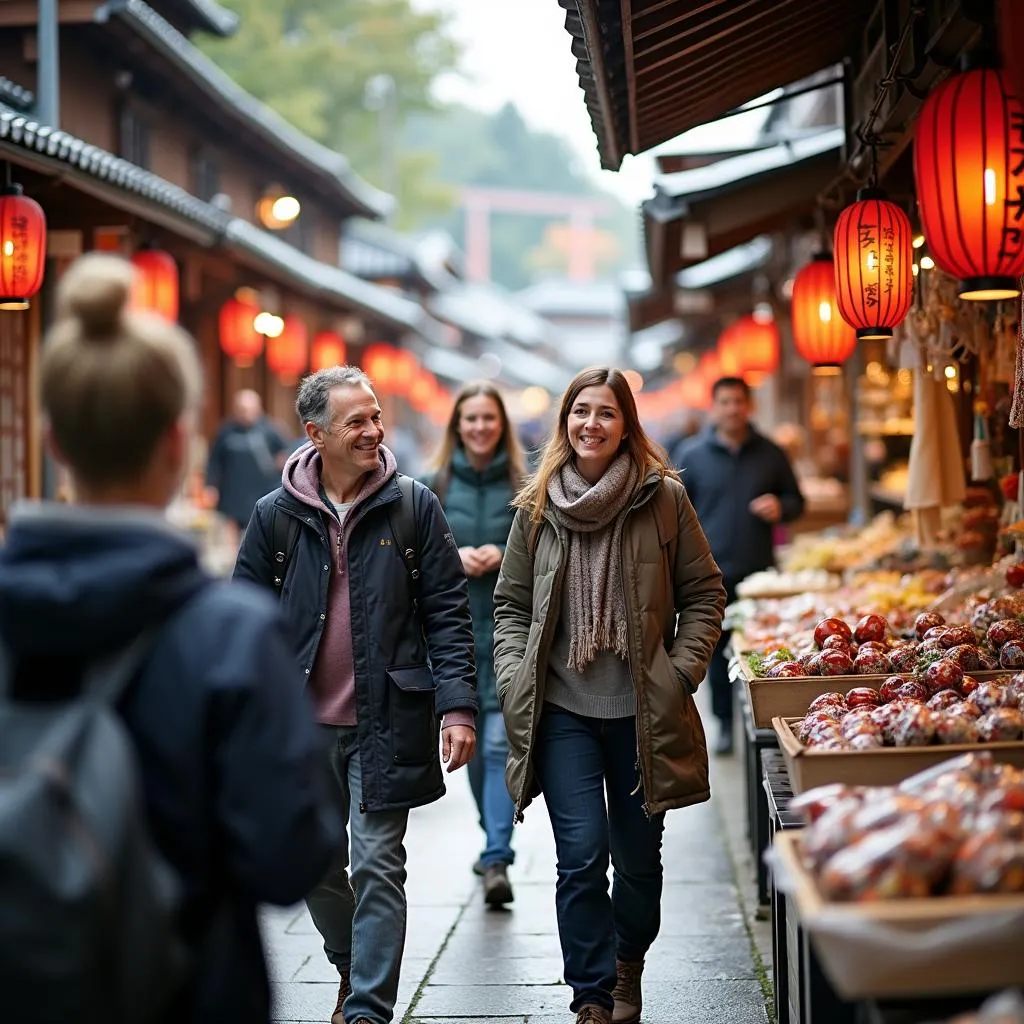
(555, 601)
(642, 775)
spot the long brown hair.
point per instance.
(645, 453)
(441, 462)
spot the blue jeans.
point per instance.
(487, 780)
(581, 763)
(361, 913)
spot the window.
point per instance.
(134, 137)
(204, 175)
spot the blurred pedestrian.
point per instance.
(742, 486)
(371, 583)
(477, 471)
(245, 461)
(607, 609)
(225, 739)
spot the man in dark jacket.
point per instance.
(384, 655)
(226, 743)
(245, 459)
(742, 486)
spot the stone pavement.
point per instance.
(467, 965)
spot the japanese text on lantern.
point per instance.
(889, 259)
(868, 241)
(19, 233)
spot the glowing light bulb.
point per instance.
(825, 312)
(872, 260)
(990, 187)
(927, 263)
(918, 241)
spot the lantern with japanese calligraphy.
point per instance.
(873, 265)
(22, 248)
(239, 339)
(328, 349)
(156, 283)
(820, 334)
(969, 172)
(288, 352)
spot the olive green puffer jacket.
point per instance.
(674, 598)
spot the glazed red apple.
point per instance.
(926, 621)
(903, 657)
(837, 642)
(889, 689)
(967, 686)
(1011, 654)
(912, 691)
(967, 656)
(863, 697)
(812, 665)
(1015, 575)
(944, 700)
(832, 627)
(873, 646)
(871, 663)
(956, 635)
(1003, 630)
(835, 663)
(871, 627)
(936, 633)
(825, 701)
(988, 696)
(942, 675)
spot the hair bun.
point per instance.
(94, 292)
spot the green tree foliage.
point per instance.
(312, 61)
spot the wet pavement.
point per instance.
(464, 963)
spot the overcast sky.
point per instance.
(518, 51)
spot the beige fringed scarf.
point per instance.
(594, 515)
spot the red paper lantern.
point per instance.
(970, 182)
(22, 248)
(239, 339)
(288, 353)
(328, 349)
(379, 364)
(156, 283)
(695, 391)
(752, 347)
(820, 334)
(874, 256)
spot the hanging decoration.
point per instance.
(820, 334)
(156, 283)
(328, 349)
(752, 347)
(240, 341)
(874, 280)
(970, 182)
(380, 365)
(22, 246)
(288, 351)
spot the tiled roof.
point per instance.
(209, 224)
(15, 95)
(326, 164)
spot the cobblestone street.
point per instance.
(465, 963)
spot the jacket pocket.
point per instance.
(413, 718)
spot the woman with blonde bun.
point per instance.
(225, 741)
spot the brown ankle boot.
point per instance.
(629, 1001)
(591, 1014)
(344, 991)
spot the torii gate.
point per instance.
(581, 212)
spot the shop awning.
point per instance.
(652, 69)
(700, 213)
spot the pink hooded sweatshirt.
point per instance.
(332, 681)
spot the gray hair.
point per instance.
(313, 402)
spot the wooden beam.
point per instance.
(24, 13)
(625, 8)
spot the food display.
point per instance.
(957, 829)
(772, 583)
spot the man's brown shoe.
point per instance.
(497, 888)
(344, 991)
(591, 1014)
(629, 1000)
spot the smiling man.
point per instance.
(386, 644)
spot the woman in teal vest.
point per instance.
(477, 471)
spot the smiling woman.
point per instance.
(596, 430)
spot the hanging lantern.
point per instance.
(156, 283)
(288, 352)
(379, 364)
(820, 334)
(873, 261)
(22, 248)
(405, 368)
(728, 351)
(423, 391)
(328, 349)
(239, 339)
(970, 182)
(695, 391)
(754, 342)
